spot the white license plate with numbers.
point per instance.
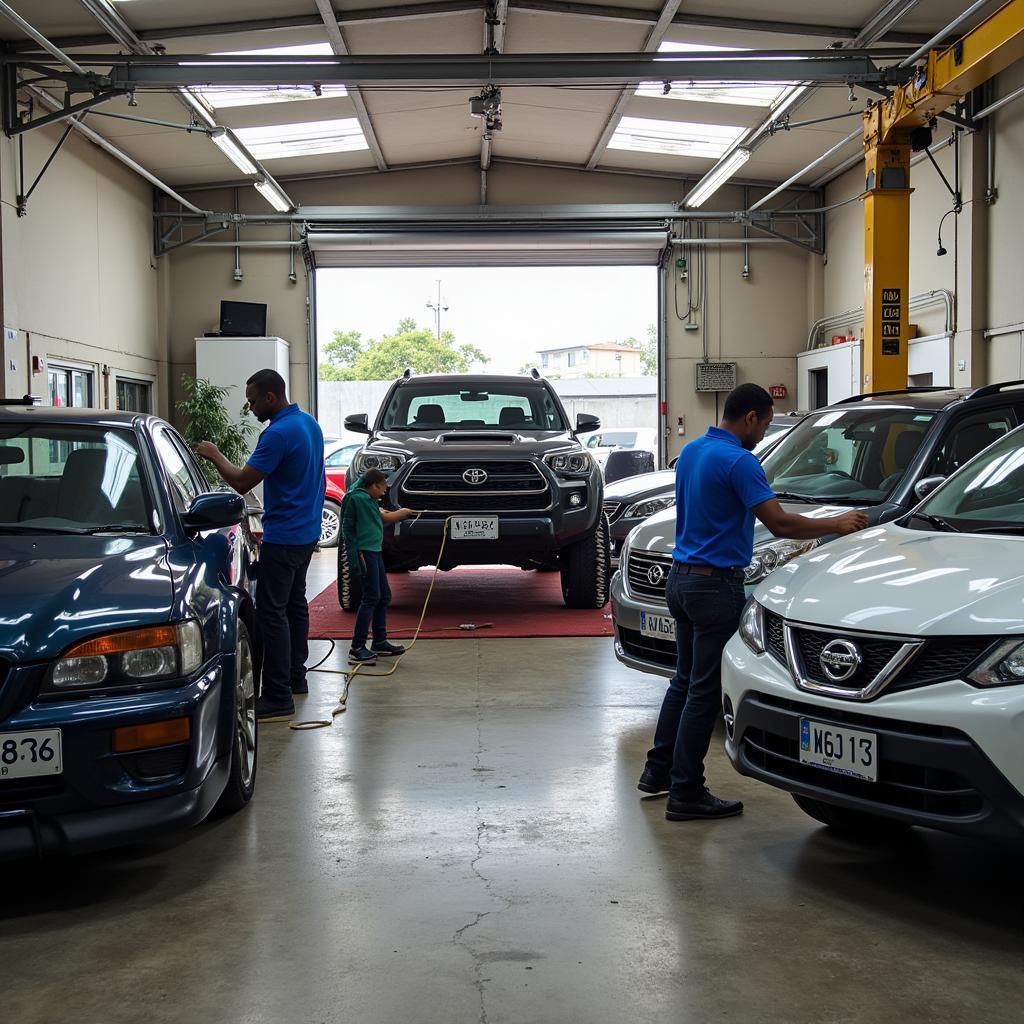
(475, 528)
(661, 627)
(24, 754)
(839, 750)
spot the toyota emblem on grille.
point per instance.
(840, 659)
(655, 575)
(475, 476)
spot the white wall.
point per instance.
(80, 282)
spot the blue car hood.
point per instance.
(55, 590)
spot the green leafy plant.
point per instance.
(206, 419)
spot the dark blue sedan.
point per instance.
(129, 659)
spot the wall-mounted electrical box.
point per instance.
(716, 376)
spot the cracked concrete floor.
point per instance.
(467, 845)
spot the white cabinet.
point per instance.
(230, 362)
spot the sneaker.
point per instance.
(361, 655)
(386, 650)
(652, 782)
(267, 712)
(706, 805)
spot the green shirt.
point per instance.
(361, 520)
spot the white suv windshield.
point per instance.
(457, 406)
(857, 454)
(988, 492)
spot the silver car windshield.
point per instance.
(853, 455)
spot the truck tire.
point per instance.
(586, 569)
(350, 580)
(855, 824)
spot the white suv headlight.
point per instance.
(1003, 667)
(769, 557)
(752, 626)
(384, 461)
(643, 509)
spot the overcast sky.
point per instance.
(509, 313)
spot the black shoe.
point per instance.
(704, 806)
(300, 688)
(361, 656)
(267, 712)
(386, 650)
(652, 782)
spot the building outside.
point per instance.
(606, 359)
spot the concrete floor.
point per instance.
(466, 844)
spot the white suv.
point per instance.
(880, 679)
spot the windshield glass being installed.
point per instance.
(456, 406)
(73, 479)
(858, 454)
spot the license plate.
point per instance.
(662, 627)
(24, 754)
(839, 750)
(474, 528)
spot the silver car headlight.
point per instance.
(387, 462)
(644, 509)
(769, 557)
(752, 626)
(1003, 667)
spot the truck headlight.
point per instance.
(752, 626)
(1003, 667)
(387, 462)
(569, 463)
(643, 509)
(770, 556)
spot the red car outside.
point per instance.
(336, 462)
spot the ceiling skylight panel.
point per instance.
(675, 138)
(308, 138)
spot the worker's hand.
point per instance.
(850, 522)
(207, 450)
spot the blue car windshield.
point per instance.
(71, 479)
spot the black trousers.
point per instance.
(283, 617)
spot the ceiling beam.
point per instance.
(340, 48)
(651, 44)
(440, 7)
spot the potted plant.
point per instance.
(206, 419)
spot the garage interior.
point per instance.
(466, 843)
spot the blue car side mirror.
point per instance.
(214, 511)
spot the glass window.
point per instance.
(134, 395)
(545, 359)
(342, 458)
(968, 437)
(572, 358)
(450, 407)
(182, 486)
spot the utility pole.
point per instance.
(438, 309)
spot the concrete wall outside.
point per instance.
(80, 283)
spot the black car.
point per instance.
(493, 461)
(629, 502)
(129, 660)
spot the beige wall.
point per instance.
(79, 279)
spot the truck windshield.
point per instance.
(461, 406)
(856, 455)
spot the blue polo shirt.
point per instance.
(290, 455)
(718, 482)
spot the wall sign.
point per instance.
(778, 391)
(892, 302)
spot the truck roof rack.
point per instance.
(896, 391)
(24, 400)
(994, 389)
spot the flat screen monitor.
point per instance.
(243, 319)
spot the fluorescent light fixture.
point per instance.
(674, 138)
(307, 138)
(227, 145)
(200, 106)
(716, 177)
(273, 195)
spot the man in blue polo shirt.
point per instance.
(720, 489)
(289, 460)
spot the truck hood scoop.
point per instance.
(478, 437)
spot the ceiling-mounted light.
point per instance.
(227, 145)
(273, 195)
(716, 177)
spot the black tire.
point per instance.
(586, 569)
(330, 527)
(245, 738)
(850, 822)
(350, 581)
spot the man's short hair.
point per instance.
(747, 398)
(266, 381)
(374, 476)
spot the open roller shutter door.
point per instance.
(594, 248)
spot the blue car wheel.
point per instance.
(242, 777)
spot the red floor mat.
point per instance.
(514, 602)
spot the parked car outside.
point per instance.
(497, 459)
(617, 438)
(881, 680)
(871, 452)
(129, 661)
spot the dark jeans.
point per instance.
(707, 612)
(283, 617)
(373, 608)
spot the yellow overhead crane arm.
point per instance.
(949, 75)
